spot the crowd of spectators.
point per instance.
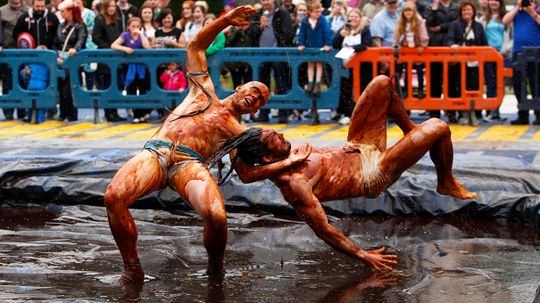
(350, 26)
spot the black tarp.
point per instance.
(507, 189)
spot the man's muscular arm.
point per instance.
(250, 174)
(195, 50)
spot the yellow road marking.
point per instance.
(306, 131)
(536, 136)
(503, 132)
(25, 129)
(9, 123)
(142, 135)
(272, 126)
(338, 134)
(114, 131)
(460, 132)
(394, 133)
(67, 131)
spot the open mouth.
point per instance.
(248, 101)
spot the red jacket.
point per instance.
(173, 81)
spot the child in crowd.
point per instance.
(411, 32)
(135, 79)
(314, 32)
(36, 77)
(173, 78)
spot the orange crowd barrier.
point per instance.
(468, 100)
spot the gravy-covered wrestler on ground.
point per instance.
(175, 156)
(363, 168)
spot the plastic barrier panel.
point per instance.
(16, 95)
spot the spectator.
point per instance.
(526, 33)
(167, 35)
(147, 17)
(89, 69)
(241, 72)
(314, 33)
(203, 4)
(356, 35)
(289, 6)
(218, 43)
(135, 81)
(411, 33)
(496, 32)
(38, 22)
(187, 14)
(9, 14)
(383, 25)
(438, 19)
(481, 13)
(298, 16)
(274, 29)
(126, 11)
(107, 29)
(372, 8)
(420, 8)
(173, 78)
(1, 34)
(70, 38)
(96, 7)
(53, 6)
(198, 14)
(465, 31)
(36, 77)
(337, 17)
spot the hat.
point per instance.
(25, 40)
(65, 5)
(390, 1)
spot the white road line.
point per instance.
(75, 152)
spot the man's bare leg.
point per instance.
(197, 186)
(299, 193)
(139, 176)
(433, 136)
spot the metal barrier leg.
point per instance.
(314, 113)
(473, 120)
(96, 112)
(33, 119)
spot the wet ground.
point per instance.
(66, 253)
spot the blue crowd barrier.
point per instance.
(529, 58)
(19, 97)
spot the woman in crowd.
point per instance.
(411, 32)
(146, 13)
(355, 35)
(107, 28)
(496, 32)
(464, 31)
(70, 38)
(167, 34)
(199, 12)
(218, 43)
(338, 16)
(187, 15)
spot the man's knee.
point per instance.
(112, 199)
(438, 126)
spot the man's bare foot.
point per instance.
(131, 277)
(455, 189)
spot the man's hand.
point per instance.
(128, 50)
(300, 153)
(72, 51)
(454, 47)
(263, 21)
(435, 29)
(378, 261)
(239, 15)
(301, 48)
(530, 10)
(326, 48)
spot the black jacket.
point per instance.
(1, 35)
(442, 19)
(366, 40)
(42, 28)
(282, 24)
(456, 33)
(104, 34)
(77, 40)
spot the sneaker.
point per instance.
(316, 89)
(336, 117)
(345, 121)
(309, 87)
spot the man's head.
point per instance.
(38, 6)
(269, 147)
(16, 4)
(268, 5)
(251, 96)
(391, 6)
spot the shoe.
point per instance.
(309, 87)
(316, 89)
(345, 121)
(261, 119)
(111, 119)
(283, 120)
(71, 119)
(336, 117)
(60, 118)
(119, 118)
(520, 121)
(536, 122)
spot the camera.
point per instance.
(469, 42)
(525, 3)
(348, 25)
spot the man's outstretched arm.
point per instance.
(195, 49)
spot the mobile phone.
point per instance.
(525, 3)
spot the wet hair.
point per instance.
(248, 144)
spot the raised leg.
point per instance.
(196, 185)
(298, 192)
(138, 177)
(433, 136)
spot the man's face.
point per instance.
(287, 3)
(268, 4)
(277, 147)
(16, 4)
(251, 96)
(39, 6)
(391, 7)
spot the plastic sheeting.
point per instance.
(506, 190)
